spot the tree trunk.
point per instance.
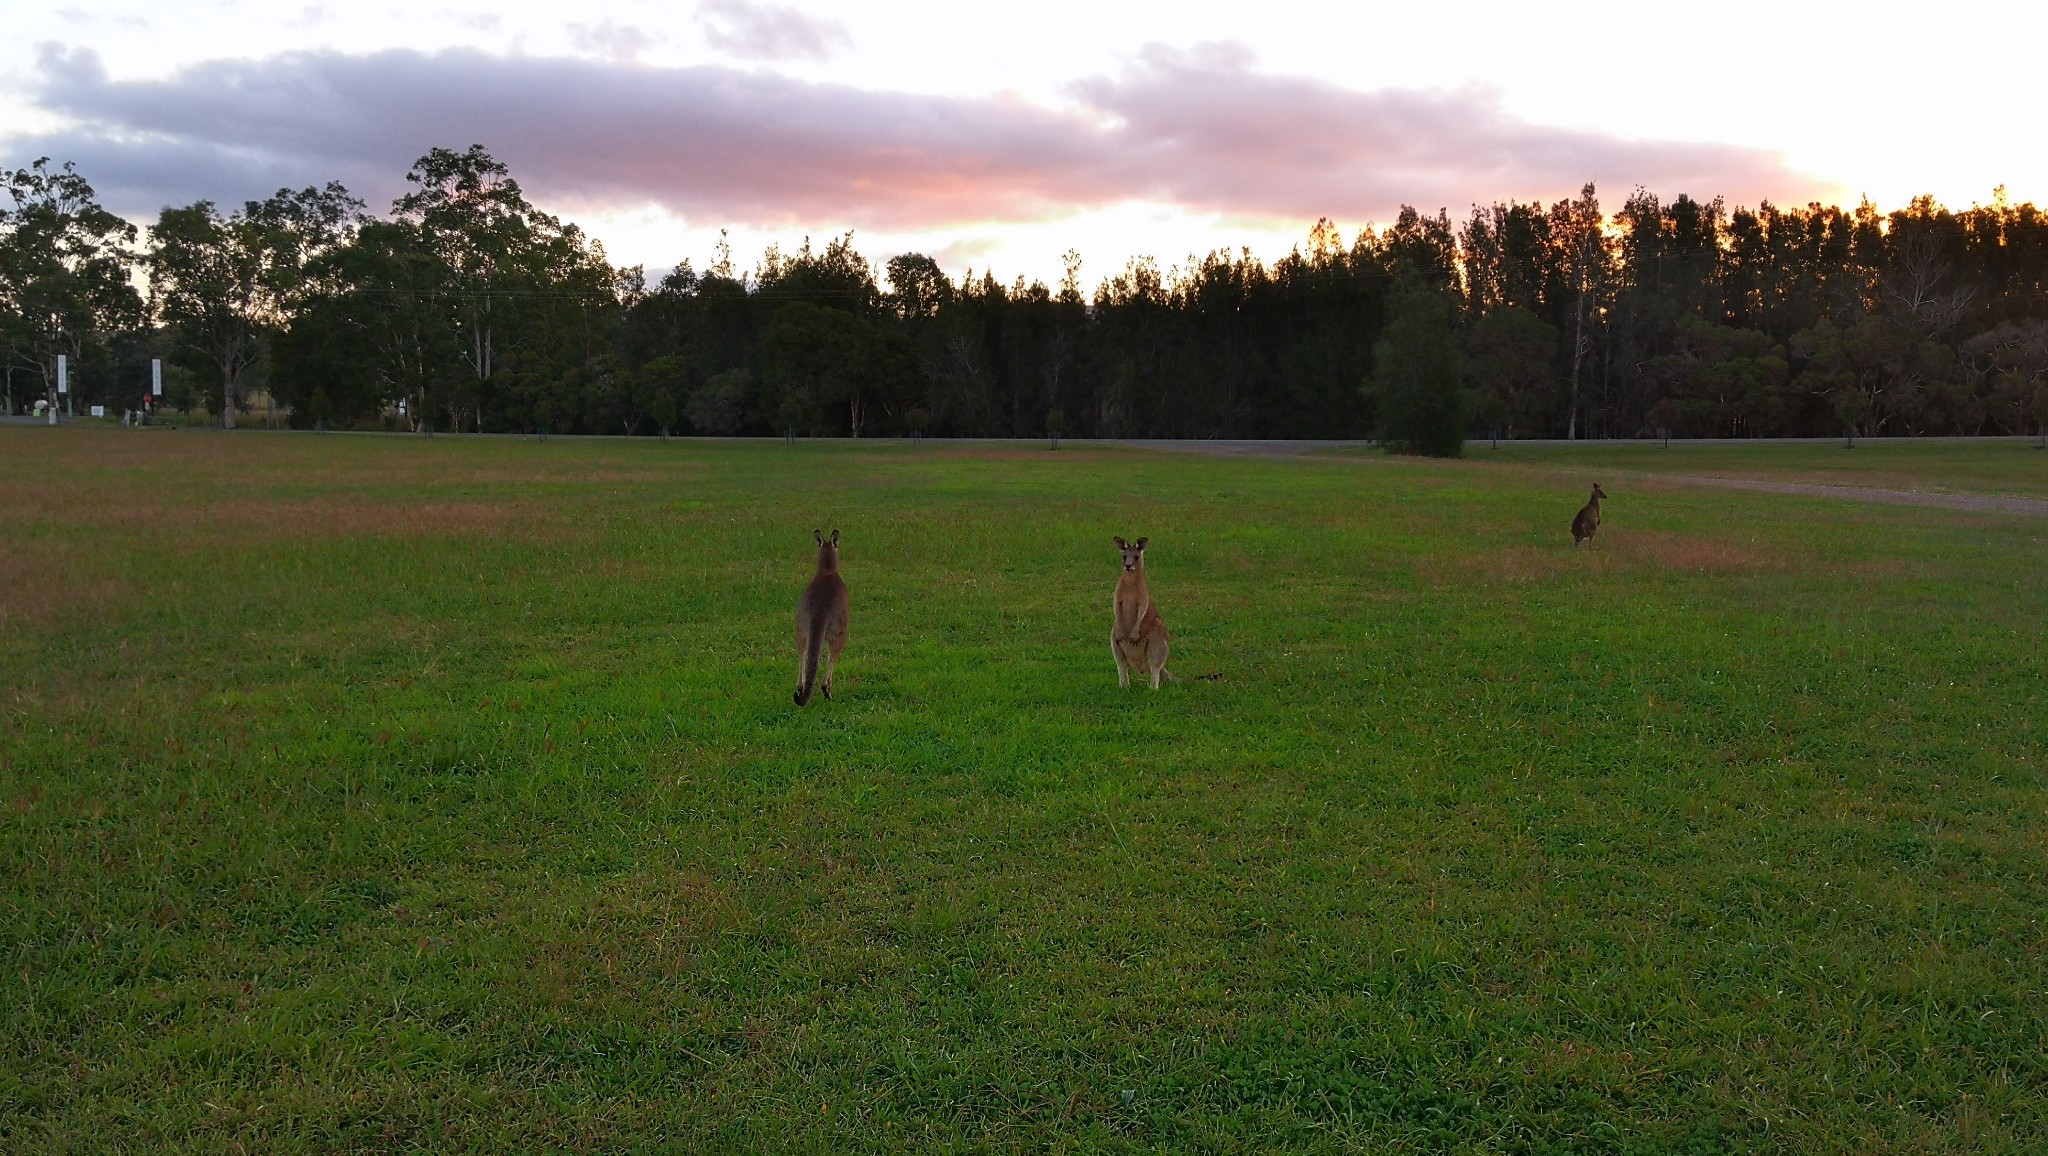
(1578, 355)
(227, 401)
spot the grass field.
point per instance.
(369, 793)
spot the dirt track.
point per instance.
(1985, 503)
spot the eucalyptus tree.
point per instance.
(369, 330)
(64, 273)
(224, 284)
(1582, 251)
(2010, 362)
(507, 268)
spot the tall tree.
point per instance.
(369, 331)
(1581, 246)
(506, 265)
(64, 264)
(225, 284)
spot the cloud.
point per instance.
(768, 31)
(1201, 130)
(619, 43)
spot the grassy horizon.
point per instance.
(373, 793)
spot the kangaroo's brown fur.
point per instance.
(821, 620)
(1138, 638)
(1588, 522)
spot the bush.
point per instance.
(1415, 378)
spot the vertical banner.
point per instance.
(63, 374)
(156, 377)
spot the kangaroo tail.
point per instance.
(814, 641)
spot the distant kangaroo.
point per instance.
(821, 620)
(1138, 637)
(1588, 522)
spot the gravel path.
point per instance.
(1984, 503)
(1992, 503)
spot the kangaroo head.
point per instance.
(828, 548)
(1134, 552)
(1597, 491)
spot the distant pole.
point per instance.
(156, 377)
(64, 380)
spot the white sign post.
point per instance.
(63, 384)
(156, 377)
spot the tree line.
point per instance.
(466, 308)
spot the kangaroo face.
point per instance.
(1597, 491)
(828, 548)
(1134, 552)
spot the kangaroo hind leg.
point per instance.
(835, 643)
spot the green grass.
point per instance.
(365, 793)
(2008, 466)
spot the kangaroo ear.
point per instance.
(1142, 541)
(819, 535)
(835, 537)
(1118, 539)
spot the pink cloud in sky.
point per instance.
(1203, 130)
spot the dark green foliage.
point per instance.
(64, 286)
(471, 309)
(1510, 359)
(1415, 378)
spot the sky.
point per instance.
(1001, 136)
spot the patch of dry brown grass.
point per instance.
(1699, 553)
(43, 585)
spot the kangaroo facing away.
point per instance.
(1588, 522)
(821, 620)
(1138, 638)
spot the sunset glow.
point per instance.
(1009, 137)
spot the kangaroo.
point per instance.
(1588, 521)
(821, 620)
(1138, 638)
